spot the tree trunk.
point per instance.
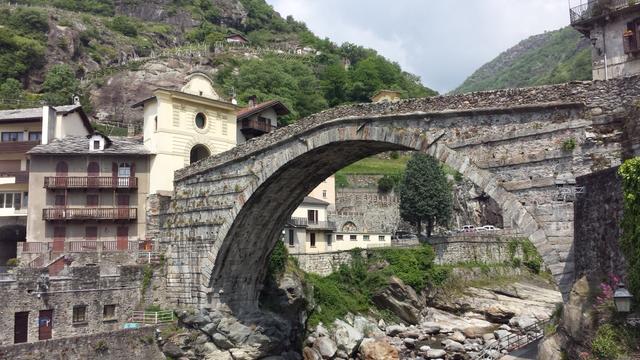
(419, 225)
(429, 227)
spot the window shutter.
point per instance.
(114, 169)
(133, 170)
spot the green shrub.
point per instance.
(385, 184)
(569, 144)
(124, 25)
(341, 180)
(278, 260)
(13, 262)
(607, 344)
(630, 239)
(394, 155)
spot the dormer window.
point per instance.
(96, 142)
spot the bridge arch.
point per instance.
(268, 185)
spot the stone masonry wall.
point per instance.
(323, 264)
(597, 225)
(369, 210)
(83, 286)
(114, 345)
(487, 249)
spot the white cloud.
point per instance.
(442, 41)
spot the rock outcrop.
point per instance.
(400, 299)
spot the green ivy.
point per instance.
(630, 239)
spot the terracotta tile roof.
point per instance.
(248, 111)
(79, 145)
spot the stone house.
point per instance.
(258, 119)
(21, 130)
(613, 27)
(236, 39)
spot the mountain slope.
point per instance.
(120, 50)
(549, 58)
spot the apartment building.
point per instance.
(21, 130)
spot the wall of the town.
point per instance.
(113, 345)
(82, 286)
(487, 249)
(598, 214)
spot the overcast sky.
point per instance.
(441, 41)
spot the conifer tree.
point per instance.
(425, 194)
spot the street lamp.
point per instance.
(622, 299)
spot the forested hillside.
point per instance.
(113, 53)
(550, 58)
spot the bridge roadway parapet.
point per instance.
(509, 143)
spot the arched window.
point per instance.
(201, 120)
(198, 153)
(62, 169)
(349, 227)
(93, 169)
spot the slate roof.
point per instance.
(34, 113)
(279, 108)
(313, 201)
(79, 145)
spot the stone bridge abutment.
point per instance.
(228, 210)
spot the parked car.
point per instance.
(468, 228)
(490, 228)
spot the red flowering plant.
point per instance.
(604, 300)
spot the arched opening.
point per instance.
(198, 153)
(10, 236)
(349, 226)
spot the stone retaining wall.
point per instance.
(324, 263)
(486, 249)
(597, 225)
(114, 345)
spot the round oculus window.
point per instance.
(201, 120)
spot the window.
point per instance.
(365, 237)
(92, 200)
(60, 200)
(291, 237)
(10, 200)
(353, 237)
(339, 237)
(35, 135)
(630, 37)
(62, 168)
(124, 170)
(25, 199)
(381, 238)
(93, 169)
(79, 314)
(91, 233)
(12, 136)
(324, 194)
(109, 312)
(96, 144)
(312, 239)
(201, 120)
(328, 239)
(312, 216)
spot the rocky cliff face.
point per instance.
(472, 206)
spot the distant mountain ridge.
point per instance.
(552, 57)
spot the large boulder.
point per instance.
(325, 347)
(400, 299)
(311, 354)
(377, 349)
(346, 336)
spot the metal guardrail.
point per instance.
(117, 213)
(21, 177)
(297, 221)
(90, 182)
(514, 341)
(152, 317)
(587, 10)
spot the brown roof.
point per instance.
(279, 108)
(239, 35)
(36, 114)
(313, 201)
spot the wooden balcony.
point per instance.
(256, 127)
(77, 214)
(90, 182)
(21, 177)
(17, 146)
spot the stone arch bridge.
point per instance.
(228, 210)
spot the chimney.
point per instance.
(252, 100)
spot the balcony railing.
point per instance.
(17, 146)
(261, 126)
(21, 177)
(591, 9)
(90, 182)
(123, 213)
(80, 246)
(319, 225)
